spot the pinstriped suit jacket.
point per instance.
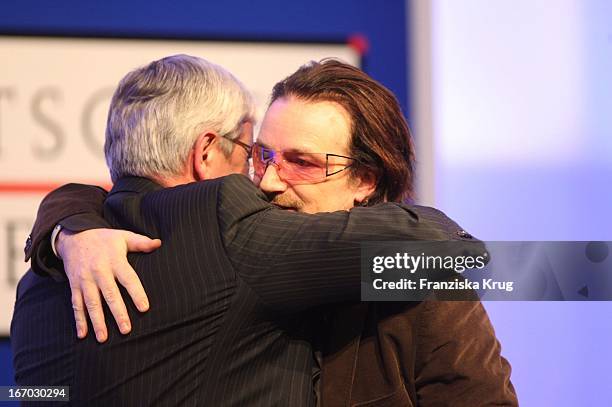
(227, 289)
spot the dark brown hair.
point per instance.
(380, 142)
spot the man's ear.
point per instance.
(365, 185)
(202, 158)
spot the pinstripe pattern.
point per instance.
(227, 289)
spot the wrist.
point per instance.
(56, 240)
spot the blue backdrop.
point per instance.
(314, 20)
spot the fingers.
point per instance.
(91, 296)
(110, 291)
(140, 243)
(93, 260)
(129, 279)
(79, 312)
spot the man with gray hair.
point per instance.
(159, 113)
(233, 274)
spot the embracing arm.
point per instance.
(295, 261)
(292, 260)
(76, 207)
(93, 256)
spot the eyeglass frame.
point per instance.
(248, 148)
(327, 155)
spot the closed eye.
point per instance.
(302, 160)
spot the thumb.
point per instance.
(140, 243)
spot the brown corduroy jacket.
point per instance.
(431, 353)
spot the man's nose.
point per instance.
(271, 182)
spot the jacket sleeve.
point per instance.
(76, 207)
(459, 361)
(295, 261)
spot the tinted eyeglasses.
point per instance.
(296, 166)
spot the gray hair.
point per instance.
(158, 111)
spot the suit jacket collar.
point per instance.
(134, 184)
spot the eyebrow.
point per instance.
(289, 150)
